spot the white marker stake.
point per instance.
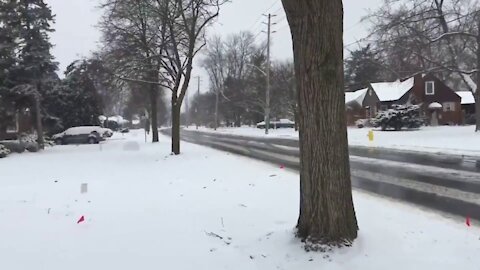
(84, 188)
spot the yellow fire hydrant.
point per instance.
(370, 135)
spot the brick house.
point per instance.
(361, 104)
(440, 104)
(14, 121)
(431, 92)
(468, 107)
(467, 103)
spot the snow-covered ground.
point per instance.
(459, 140)
(204, 209)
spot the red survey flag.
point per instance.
(468, 222)
(82, 219)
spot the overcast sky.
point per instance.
(76, 35)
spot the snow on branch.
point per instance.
(470, 82)
(458, 33)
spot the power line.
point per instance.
(281, 19)
(283, 27)
(260, 17)
(280, 8)
(273, 4)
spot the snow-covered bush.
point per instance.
(3, 151)
(398, 117)
(28, 138)
(14, 146)
(29, 141)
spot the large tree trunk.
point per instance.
(476, 94)
(38, 123)
(175, 126)
(327, 215)
(154, 112)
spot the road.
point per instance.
(447, 184)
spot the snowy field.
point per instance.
(459, 140)
(205, 209)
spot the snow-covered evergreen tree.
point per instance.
(3, 151)
(35, 61)
(8, 32)
(398, 117)
(75, 101)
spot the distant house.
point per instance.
(361, 104)
(440, 104)
(14, 121)
(468, 102)
(390, 93)
(468, 106)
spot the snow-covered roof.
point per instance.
(391, 91)
(467, 97)
(356, 96)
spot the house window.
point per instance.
(430, 88)
(449, 106)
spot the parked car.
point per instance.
(361, 123)
(282, 123)
(80, 135)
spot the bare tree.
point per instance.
(327, 215)
(185, 22)
(134, 40)
(215, 63)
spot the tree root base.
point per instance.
(324, 246)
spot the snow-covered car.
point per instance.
(361, 123)
(282, 123)
(80, 135)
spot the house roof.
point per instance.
(467, 97)
(391, 91)
(356, 96)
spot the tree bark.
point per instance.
(154, 112)
(175, 126)
(38, 123)
(327, 214)
(476, 94)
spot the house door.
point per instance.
(434, 119)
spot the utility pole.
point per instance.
(267, 92)
(197, 100)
